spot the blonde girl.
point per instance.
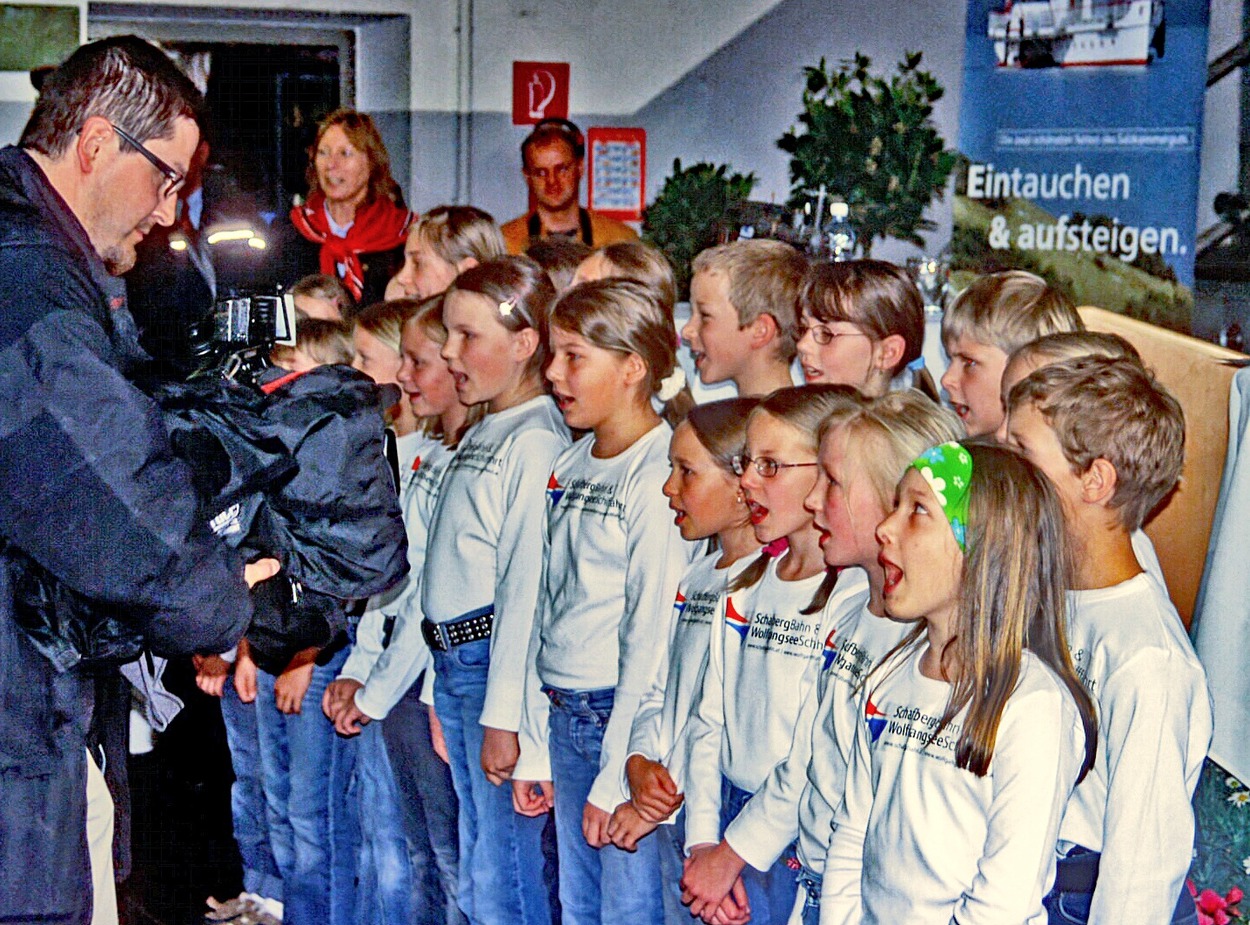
(861, 323)
(376, 332)
(614, 559)
(442, 243)
(482, 572)
(764, 658)
(979, 704)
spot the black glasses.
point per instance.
(174, 179)
(821, 334)
(764, 465)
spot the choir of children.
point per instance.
(800, 656)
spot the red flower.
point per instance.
(1214, 909)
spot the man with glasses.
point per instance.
(552, 160)
(101, 547)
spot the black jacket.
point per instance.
(92, 494)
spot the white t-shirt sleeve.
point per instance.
(706, 731)
(534, 762)
(1148, 831)
(656, 557)
(1037, 756)
(841, 898)
(518, 573)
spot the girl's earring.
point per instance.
(740, 498)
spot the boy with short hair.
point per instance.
(318, 342)
(1111, 439)
(991, 318)
(743, 298)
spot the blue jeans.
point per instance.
(1071, 906)
(771, 892)
(384, 867)
(501, 861)
(428, 811)
(809, 890)
(671, 843)
(597, 885)
(247, 797)
(307, 769)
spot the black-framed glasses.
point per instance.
(174, 179)
(821, 334)
(766, 466)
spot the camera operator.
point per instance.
(92, 498)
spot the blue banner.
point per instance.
(1081, 122)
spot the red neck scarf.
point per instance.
(379, 226)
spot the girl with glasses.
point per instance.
(861, 323)
(763, 662)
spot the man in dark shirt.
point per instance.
(92, 500)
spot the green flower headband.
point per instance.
(947, 468)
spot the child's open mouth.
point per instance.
(893, 574)
(563, 402)
(757, 511)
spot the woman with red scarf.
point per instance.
(354, 220)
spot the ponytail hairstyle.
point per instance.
(643, 264)
(877, 297)
(627, 317)
(428, 319)
(1012, 597)
(523, 286)
(803, 407)
(456, 233)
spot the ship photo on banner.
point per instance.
(1080, 125)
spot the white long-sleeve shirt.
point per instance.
(485, 541)
(387, 672)
(816, 766)
(918, 839)
(1154, 726)
(661, 723)
(614, 559)
(763, 662)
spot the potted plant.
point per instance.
(870, 140)
(685, 216)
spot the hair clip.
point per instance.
(916, 365)
(672, 384)
(506, 306)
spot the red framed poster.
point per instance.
(617, 172)
(540, 90)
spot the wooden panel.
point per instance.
(1200, 376)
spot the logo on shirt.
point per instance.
(416, 463)
(736, 621)
(875, 719)
(555, 491)
(830, 652)
(679, 605)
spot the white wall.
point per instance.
(708, 80)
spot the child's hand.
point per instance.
(595, 825)
(733, 909)
(338, 697)
(260, 570)
(627, 827)
(350, 720)
(211, 672)
(291, 686)
(655, 796)
(533, 797)
(710, 874)
(245, 673)
(437, 741)
(500, 752)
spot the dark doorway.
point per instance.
(265, 102)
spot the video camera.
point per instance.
(234, 340)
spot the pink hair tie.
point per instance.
(776, 547)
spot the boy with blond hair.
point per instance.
(1111, 439)
(743, 298)
(994, 316)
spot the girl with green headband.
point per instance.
(975, 730)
